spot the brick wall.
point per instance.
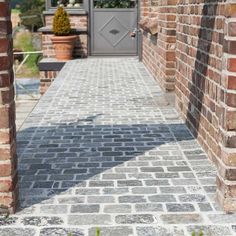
(8, 160)
(205, 86)
(159, 50)
(46, 79)
(77, 22)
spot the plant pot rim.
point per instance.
(61, 37)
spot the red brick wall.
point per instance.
(159, 50)
(204, 86)
(8, 160)
(46, 79)
(77, 22)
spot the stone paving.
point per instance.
(104, 148)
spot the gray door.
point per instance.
(111, 27)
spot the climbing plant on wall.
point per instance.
(114, 3)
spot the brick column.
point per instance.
(167, 43)
(226, 179)
(8, 160)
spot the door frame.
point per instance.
(90, 32)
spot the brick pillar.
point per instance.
(8, 160)
(167, 42)
(226, 179)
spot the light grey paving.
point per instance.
(105, 148)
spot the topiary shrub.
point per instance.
(61, 23)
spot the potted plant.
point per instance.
(62, 40)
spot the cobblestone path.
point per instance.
(103, 148)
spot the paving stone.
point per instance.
(205, 207)
(148, 207)
(135, 219)
(162, 198)
(101, 199)
(17, 231)
(172, 190)
(192, 198)
(159, 231)
(114, 176)
(70, 200)
(117, 208)
(157, 182)
(42, 221)
(222, 218)
(181, 218)
(115, 191)
(210, 230)
(90, 219)
(152, 169)
(112, 231)
(61, 232)
(84, 208)
(126, 183)
(178, 168)
(5, 220)
(180, 207)
(131, 199)
(146, 190)
(53, 209)
(89, 191)
(101, 183)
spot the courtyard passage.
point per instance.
(105, 148)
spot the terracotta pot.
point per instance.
(63, 46)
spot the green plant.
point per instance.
(61, 22)
(24, 41)
(197, 234)
(113, 4)
(98, 232)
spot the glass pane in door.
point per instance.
(114, 3)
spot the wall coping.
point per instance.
(77, 12)
(48, 30)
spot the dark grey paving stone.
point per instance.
(85, 208)
(4, 221)
(175, 207)
(135, 219)
(42, 221)
(162, 198)
(192, 198)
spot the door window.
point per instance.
(114, 3)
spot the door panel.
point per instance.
(111, 28)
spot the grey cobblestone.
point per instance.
(135, 219)
(105, 147)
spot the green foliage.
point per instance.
(26, 5)
(61, 22)
(98, 232)
(32, 19)
(31, 13)
(23, 41)
(113, 4)
(197, 234)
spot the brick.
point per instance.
(232, 64)
(5, 9)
